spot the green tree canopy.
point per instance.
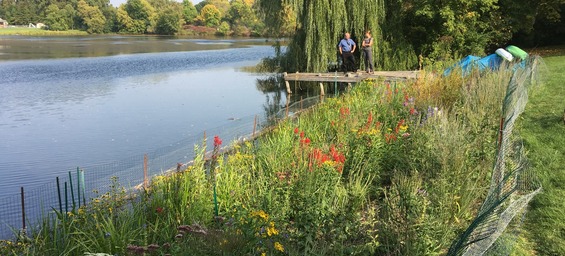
(210, 16)
(169, 21)
(189, 12)
(58, 19)
(92, 17)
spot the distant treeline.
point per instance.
(235, 17)
(406, 31)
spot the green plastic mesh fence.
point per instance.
(513, 185)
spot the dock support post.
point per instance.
(322, 89)
(288, 87)
(287, 103)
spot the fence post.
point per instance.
(254, 127)
(145, 181)
(23, 209)
(78, 187)
(300, 103)
(59, 195)
(66, 199)
(72, 191)
(322, 93)
(81, 176)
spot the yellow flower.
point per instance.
(110, 210)
(403, 128)
(271, 230)
(81, 210)
(263, 254)
(70, 214)
(261, 214)
(279, 247)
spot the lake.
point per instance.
(83, 101)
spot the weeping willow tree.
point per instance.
(320, 24)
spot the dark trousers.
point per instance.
(348, 61)
(368, 53)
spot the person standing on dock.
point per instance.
(346, 49)
(368, 52)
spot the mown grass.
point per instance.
(543, 129)
(39, 32)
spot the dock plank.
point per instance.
(351, 77)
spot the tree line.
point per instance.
(411, 32)
(235, 17)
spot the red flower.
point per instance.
(305, 141)
(400, 123)
(344, 112)
(390, 138)
(369, 120)
(217, 141)
(296, 131)
(159, 209)
(412, 111)
(301, 134)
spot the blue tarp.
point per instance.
(491, 62)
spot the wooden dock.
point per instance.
(340, 77)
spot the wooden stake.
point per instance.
(322, 89)
(145, 181)
(288, 87)
(254, 127)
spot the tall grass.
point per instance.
(387, 169)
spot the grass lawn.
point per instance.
(543, 130)
(39, 32)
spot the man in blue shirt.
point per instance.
(346, 49)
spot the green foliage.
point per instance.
(223, 29)
(136, 17)
(189, 11)
(59, 20)
(210, 16)
(93, 18)
(169, 21)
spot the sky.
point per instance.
(117, 3)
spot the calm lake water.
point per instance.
(67, 102)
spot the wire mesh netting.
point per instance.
(513, 184)
(80, 184)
